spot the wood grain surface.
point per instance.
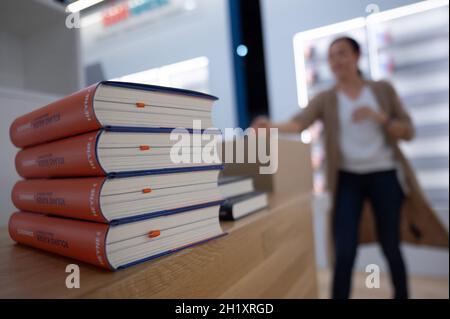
(269, 254)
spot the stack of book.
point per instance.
(241, 198)
(103, 183)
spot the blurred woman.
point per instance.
(363, 120)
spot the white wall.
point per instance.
(44, 61)
(281, 20)
(11, 60)
(52, 60)
(201, 32)
(37, 51)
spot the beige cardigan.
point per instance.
(419, 224)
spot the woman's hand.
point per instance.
(399, 130)
(261, 122)
(285, 127)
(367, 113)
(395, 129)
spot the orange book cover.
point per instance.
(76, 156)
(68, 116)
(75, 198)
(81, 240)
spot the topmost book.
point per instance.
(113, 106)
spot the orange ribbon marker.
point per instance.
(154, 233)
(144, 147)
(147, 190)
(140, 104)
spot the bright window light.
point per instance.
(189, 74)
(306, 137)
(190, 5)
(242, 50)
(81, 5)
(407, 10)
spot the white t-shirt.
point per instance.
(363, 145)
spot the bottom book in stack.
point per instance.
(116, 246)
(117, 222)
(241, 199)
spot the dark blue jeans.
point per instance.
(383, 191)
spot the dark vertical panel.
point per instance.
(249, 70)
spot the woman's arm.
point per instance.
(301, 121)
(284, 127)
(400, 125)
(399, 130)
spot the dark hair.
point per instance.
(354, 45)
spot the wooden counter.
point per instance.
(269, 254)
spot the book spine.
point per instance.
(71, 157)
(72, 197)
(68, 116)
(84, 241)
